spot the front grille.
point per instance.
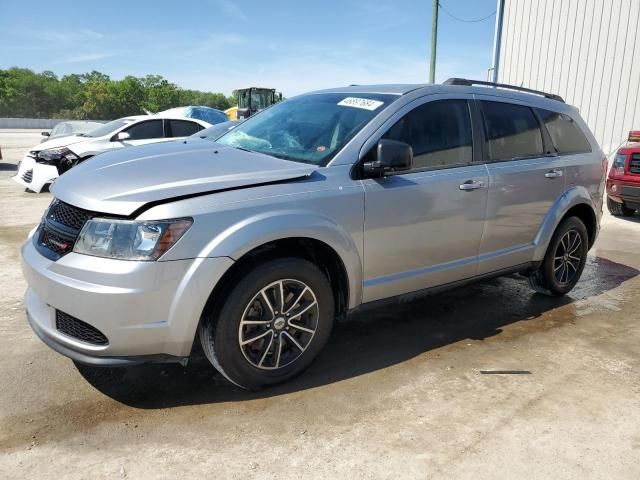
(634, 165)
(79, 330)
(55, 243)
(60, 228)
(67, 215)
(28, 176)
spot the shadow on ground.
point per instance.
(371, 340)
(633, 218)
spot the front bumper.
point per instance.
(626, 193)
(90, 359)
(33, 175)
(149, 311)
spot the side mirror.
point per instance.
(121, 136)
(391, 156)
(634, 136)
(45, 134)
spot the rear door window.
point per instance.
(182, 128)
(146, 130)
(513, 131)
(439, 133)
(566, 136)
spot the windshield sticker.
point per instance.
(363, 103)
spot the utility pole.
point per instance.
(434, 41)
(497, 41)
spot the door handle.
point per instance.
(553, 174)
(471, 185)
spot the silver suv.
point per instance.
(253, 244)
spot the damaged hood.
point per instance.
(59, 142)
(123, 181)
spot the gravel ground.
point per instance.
(399, 392)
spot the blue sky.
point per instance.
(219, 45)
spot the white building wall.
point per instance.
(587, 51)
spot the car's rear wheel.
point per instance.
(564, 261)
(619, 209)
(271, 326)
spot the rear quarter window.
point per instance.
(566, 136)
(182, 128)
(146, 130)
(512, 130)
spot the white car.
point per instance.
(48, 160)
(72, 127)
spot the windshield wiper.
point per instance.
(282, 156)
(243, 149)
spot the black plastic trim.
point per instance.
(547, 144)
(480, 150)
(410, 296)
(41, 249)
(470, 83)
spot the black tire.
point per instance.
(619, 209)
(558, 273)
(223, 329)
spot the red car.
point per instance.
(623, 182)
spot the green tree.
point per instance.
(94, 95)
(96, 100)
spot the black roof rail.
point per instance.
(469, 83)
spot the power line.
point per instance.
(462, 19)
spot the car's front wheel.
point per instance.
(564, 260)
(271, 325)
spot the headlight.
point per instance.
(55, 155)
(130, 240)
(618, 164)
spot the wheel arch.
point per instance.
(293, 233)
(316, 251)
(585, 213)
(574, 202)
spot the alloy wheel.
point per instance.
(567, 258)
(278, 324)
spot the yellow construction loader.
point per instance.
(252, 100)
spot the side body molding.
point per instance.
(576, 195)
(252, 232)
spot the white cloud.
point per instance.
(230, 9)
(224, 60)
(301, 68)
(215, 43)
(86, 57)
(66, 38)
